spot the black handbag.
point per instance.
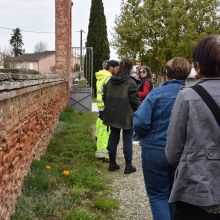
(210, 102)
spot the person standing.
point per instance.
(193, 144)
(145, 85)
(121, 100)
(150, 123)
(102, 134)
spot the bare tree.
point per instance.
(4, 55)
(40, 47)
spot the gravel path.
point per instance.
(130, 189)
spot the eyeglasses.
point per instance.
(142, 72)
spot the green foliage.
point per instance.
(16, 42)
(128, 40)
(82, 215)
(21, 71)
(153, 32)
(106, 204)
(48, 193)
(97, 36)
(76, 67)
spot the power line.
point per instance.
(36, 32)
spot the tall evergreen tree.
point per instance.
(97, 36)
(16, 42)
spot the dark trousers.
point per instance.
(114, 140)
(186, 211)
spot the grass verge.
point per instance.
(66, 184)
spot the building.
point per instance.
(43, 62)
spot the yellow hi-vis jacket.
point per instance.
(102, 78)
(102, 133)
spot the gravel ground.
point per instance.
(129, 189)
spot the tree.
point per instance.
(5, 54)
(16, 42)
(97, 36)
(40, 47)
(127, 38)
(165, 29)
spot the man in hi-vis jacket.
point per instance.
(102, 132)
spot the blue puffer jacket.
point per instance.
(152, 118)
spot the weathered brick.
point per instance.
(27, 123)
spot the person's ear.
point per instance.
(110, 69)
(198, 70)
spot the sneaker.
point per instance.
(113, 167)
(129, 169)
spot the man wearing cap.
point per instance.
(102, 134)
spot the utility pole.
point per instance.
(81, 63)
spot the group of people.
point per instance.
(178, 131)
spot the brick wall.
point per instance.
(63, 36)
(29, 111)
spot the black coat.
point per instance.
(121, 100)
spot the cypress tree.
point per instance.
(16, 42)
(97, 37)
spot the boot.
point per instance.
(129, 168)
(113, 166)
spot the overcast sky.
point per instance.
(39, 16)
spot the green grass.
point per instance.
(106, 204)
(84, 194)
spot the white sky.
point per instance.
(39, 16)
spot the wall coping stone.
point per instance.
(12, 84)
(12, 81)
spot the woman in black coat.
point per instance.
(121, 100)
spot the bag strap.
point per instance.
(210, 102)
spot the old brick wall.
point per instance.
(29, 111)
(63, 36)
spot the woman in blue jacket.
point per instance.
(150, 123)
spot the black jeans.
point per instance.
(114, 140)
(186, 211)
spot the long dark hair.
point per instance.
(146, 69)
(125, 67)
(207, 54)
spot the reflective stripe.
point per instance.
(101, 108)
(99, 92)
(102, 151)
(99, 101)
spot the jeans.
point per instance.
(114, 140)
(158, 178)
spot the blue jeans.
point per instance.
(114, 140)
(158, 178)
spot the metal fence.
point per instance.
(82, 64)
